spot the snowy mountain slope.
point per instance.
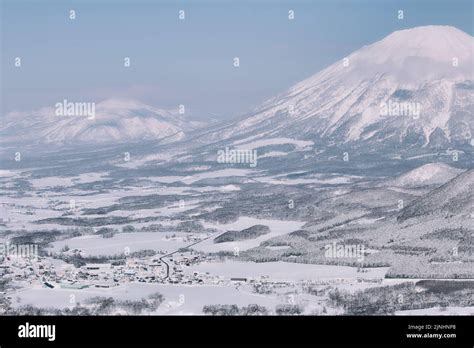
(454, 198)
(428, 174)
(115, 121)
(356, 100)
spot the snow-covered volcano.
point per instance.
(114, 121)
(414, 87)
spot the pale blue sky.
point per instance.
(191, 62)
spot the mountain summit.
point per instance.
(422, 53)
(415, 87)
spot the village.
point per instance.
(175, 269)
(55, 273)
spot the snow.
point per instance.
(115, 120)
(7, 173)
(190, 299)
(218, 174)
(340, 180)
(278, 247)
(274, 141)
(419, 60)
(53, 181)
(451, 199)
(285, 271)
(436, 42)
(367, 221)
(97, 245)
(137, 162)
(189, 179)
(277, 228)
(194, 298)
(273, 154)
(428, 174)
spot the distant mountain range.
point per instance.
(114, 121)
(414, 88)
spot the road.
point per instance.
(185, 247)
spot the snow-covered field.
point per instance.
(273, 141)
(41, 183)
(277, 228)
(285, 271)
(179, 299)
(97, 245)
(286, 181)
(189, 179)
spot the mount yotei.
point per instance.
(414, 88)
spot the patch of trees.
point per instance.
(449, 234)
(413, 267)
(301, 233)
(412, 250)
(288, 309)
(445, 286)
(226, 309)
(314, 290)
(220, 215)
(128, 229)
(190, 226)
(78, 260)
(248, 233)
(4, 284)
(137, 203)
(90, 222)
(96, 306)
(42, 238)
(262, 288)
(106, 232)
(406, 296)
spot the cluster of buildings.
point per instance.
(54, 273)
(19, 268)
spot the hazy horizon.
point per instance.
(190, 61)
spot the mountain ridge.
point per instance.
(451, 199)
(342, 104)
(114, 121)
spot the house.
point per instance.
(105, 285)
(48, 285)
(98, 266)
(95, 269)
(74, 285)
